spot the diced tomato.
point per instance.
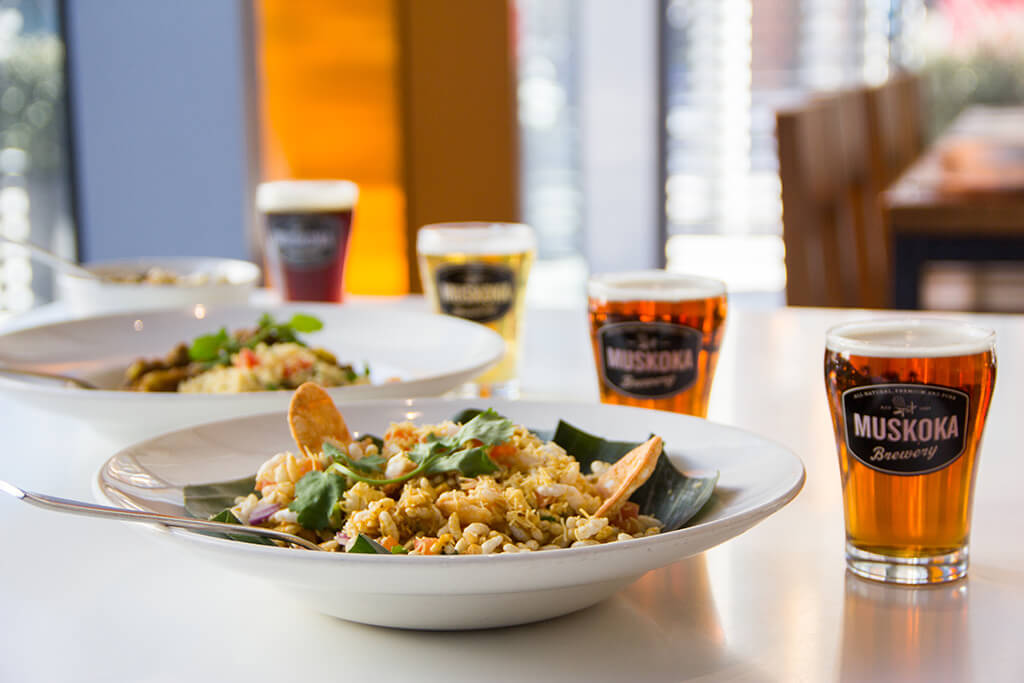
(246, 359)
(427, 545)
(629, 510)
(502, 451)
(293, 365)
(389, 542)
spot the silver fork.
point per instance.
(76, 507)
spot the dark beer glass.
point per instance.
(909, 400)
(656, 337)
(308, 224)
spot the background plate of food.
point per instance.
(160, 370)
(454, 518)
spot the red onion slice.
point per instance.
(262, 512)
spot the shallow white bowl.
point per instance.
(424, 354)
(230, 281)
(757, 478)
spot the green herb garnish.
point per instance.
(315, 496)
(366, 545)
(218, 348)
(456, 453)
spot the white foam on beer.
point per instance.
(653, 285)
(287, 196)
(914, 338)
(475, 238)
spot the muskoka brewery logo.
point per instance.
(305, 239)
(649, 360)
(905, 428)
(481, 292)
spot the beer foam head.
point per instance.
(297, 196)
(653, 285)
(909, 338)
(475, 238)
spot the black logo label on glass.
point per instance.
(649, 360)
(307, 240)
(482, 292)
(905, 428)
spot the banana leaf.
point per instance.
(668, 495)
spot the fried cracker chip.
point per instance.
(313, 419)
(621, 480)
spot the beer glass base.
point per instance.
(505, 390)
(907, 570)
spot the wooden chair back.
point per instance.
(895, 130)
(811, 187)
(836, 247)
(862, 210)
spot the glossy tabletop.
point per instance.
(90, 600)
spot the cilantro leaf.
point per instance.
(368, 463)
(365, 544)
(471, 462)
(488, 427)
(301, 322)
(207, 347)
(315, 496)
(226, 516)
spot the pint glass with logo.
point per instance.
(308, 224)
(478, 271)
(909, 400)
(656, 337)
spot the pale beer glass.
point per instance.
(656, 337)
(909, 400)
(478, 271)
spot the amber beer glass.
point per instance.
(656, 337)
(478, 271)
(308, 224)
(909, 400)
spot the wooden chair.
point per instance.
(862, 209)
(895, 130)
(836, 246)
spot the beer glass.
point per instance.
(909, 400)
(478, 271)
(656, 336)
(308, 223)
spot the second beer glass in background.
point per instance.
(478, 271)
(307, 229)
(656, 337)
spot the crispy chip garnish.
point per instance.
(313, 419)
(621, 480)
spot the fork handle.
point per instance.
(76, 507)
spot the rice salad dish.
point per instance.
(267, 367)
(268, 357)
(483, 487)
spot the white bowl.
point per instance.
(225, 282)
(409, 354)
(757, 477)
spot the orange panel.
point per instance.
(329, 101)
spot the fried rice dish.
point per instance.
(481, 487)
(268, 357)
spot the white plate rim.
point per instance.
(13, 383)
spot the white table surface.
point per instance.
(90, 600)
